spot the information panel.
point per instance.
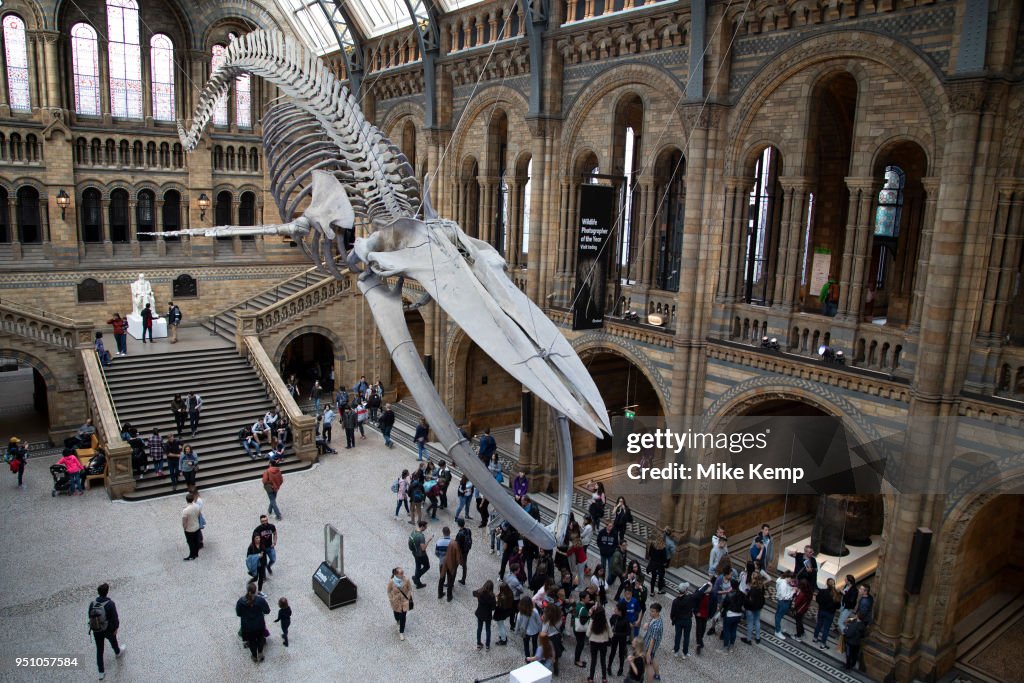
(593, 253)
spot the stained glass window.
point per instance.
(220, 111)
(125, 59)
(17, 63)
(243, 101)
(890, 203)
(85, 52)
(162, 61)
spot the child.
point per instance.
(284, 615)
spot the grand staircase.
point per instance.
(142, 388)
(223, 323)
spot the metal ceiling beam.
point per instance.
(349, 40)
(535, 13)
(425, 17)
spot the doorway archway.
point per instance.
(310, 355)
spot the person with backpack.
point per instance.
(17, 458)
(444, 480)
(752, 606)
(504, 611)
(828, 600)
(418, 543)
(829, 297)
(420, 439)
(400, 487)
(190, 523)
(449, 558)
(173, 320)
(104, 624)
(272, 482)
(417, 494)
(464, 537)
(189, 465)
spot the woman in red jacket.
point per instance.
(120, 326)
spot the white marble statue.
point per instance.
(142, 294)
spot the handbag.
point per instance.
(411, 603)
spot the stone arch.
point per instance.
(30, 13)
(144, 185)
(400, 111)
(339, 345)
(511, 101)
(240, 14)
(581, 155)
(23, 356)
(30, 182)
(752, 152)
(884, 146)
(109, 188)
(919, 72)
(177, 187)
(630, 73)
(958, 521)
(597, 341)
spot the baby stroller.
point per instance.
(61, 481)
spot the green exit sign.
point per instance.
(630, 414)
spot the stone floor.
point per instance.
(177, 618)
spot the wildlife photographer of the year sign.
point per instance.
(597, 206)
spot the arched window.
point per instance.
(218, 158)
(137, 153)
(222, 211)
(179, 156)
(229, 159)
(762, 229)
(145, 220)
(17, 63)
(5, 232)
(150, 154)
(91, 228)
(890, 203)
(125, 59)
(171, 215)
(220, 110)
(85, 54)
(247, 209)
(124, 153)
(527, 188)
(243, 101)
(254, 159)
(161, 59)
(119, 216)
(29, 225)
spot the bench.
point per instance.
(85, 455)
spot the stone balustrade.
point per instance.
(303, 426)
(120, 479)
(44, 327)
(482, 25)
(289, 308)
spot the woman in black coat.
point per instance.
(485, 604)
(251, 609)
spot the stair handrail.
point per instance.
(292, 306)
(303, 426)
(305, 276)
(108, 426)
(45, 326)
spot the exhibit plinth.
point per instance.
(135, 326)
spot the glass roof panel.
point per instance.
(375, 18)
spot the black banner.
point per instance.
(597, 215)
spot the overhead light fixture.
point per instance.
(631, 316)
(204, 204)
(771, 344)
(63, 200)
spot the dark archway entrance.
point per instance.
(24, 403)
(623, 387)
(309, 357)
(989, 590)
(833, 523)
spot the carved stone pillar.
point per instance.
(856, 246)
(133, 227)
(12, 219)
(563, 226)
(1003, 262)
(794, 222)
(108, 246)
(52, 67)
(645, 235)
(512, 239)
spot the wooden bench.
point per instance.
(85, 455)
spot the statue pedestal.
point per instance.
(135, 326)
(861, 561)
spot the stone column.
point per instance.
(108, 245)
(12, 218)
(514, 224)
(791, 246)
(55, 93)
(35, 73)
(133, 227)
(158, 226)
(737, 208)
(563, 226)
(572, 229)
(856, 246)
(1003, 261)
(647, 239)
